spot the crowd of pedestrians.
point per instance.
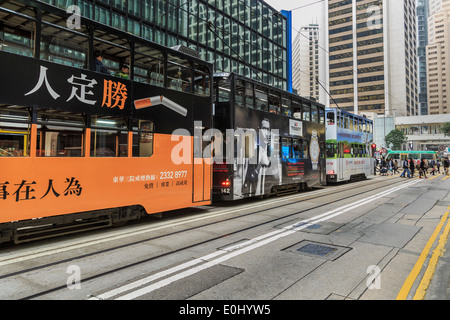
(410, 167)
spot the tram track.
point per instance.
(284, 201)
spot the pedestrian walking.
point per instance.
(422, 169)
(405, 169)
(396, 166)
(446, 165)
(412, 167)
(391, 166)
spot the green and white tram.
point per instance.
(349, 138)
(415, 155)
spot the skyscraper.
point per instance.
(422, 27)
(438, 58)
(373, 56)
(305, 65)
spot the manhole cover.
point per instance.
(317, 249)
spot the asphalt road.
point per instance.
(379, 239)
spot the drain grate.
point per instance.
(316, 249)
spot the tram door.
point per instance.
(202, 172)
(340, 161)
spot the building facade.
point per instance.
(423, 133)
(438, 58)
(305, 66)
(248, 37)
(372, 56)
(422, 33)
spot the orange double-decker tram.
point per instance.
(84, 147)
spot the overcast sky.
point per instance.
(313, 12)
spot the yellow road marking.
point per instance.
(407, 285)
(437, 253)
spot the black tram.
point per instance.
(267, 141)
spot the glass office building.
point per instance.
(248, 37)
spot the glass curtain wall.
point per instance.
(244, 36)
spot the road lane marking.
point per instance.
(437, 253)
(230, 252)
(22, 256)
(407, 285)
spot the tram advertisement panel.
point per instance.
(274, 150)
(138, 170)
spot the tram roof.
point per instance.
(347, 112)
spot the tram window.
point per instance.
(314, 114)
(339, 120)
(60, 134)
(306, 112)
(109, 137)
(286, 106)
(62, 45)
(331, 150)
(179, 74)
(249, 95)
(17, 37)
(202, 81)
(321, 115)
(297, 149)
(143, 138)
(14, 132)
(148, 65)
(285, 148)
(249, 145)
(224, 88)
(297, 110)
(350, 122)
(274, 103)
(239, 93)
(305, 149)
(347, 148)
(346, 125)
(330, 118)
(360, 125)
(115, 50)
(261, 98)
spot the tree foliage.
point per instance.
(395, 139)
(446, 129)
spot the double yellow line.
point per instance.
(437, 253)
